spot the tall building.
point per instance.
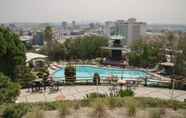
(38, 38)
(58, 34)
(73, 24)
(64, 25)
(130, 29)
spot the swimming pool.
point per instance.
(87, 72)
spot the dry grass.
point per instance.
(99, 110)
(157, 113)
(131, 109)
(35, 114)
(64, 110)
(76, 105)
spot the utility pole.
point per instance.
(172, 91)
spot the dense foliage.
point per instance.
(48, 35)
(23, 75)
(96, 79)
(87, 47)
(12, 52)
(8, 90)
(70, 73)
(180, 62)
(126, 92)
(144, 54)
(15, 111)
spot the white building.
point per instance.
(130, 29)
(58, 34)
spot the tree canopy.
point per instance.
(8, 90)
(48, 34)
(87, 47)
(12, 52)
(144, 54)
(180, 62)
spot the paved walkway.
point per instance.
(79, 92)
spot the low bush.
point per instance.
(156, 102)
(85, 102)
(64, 110)
(151, 102)
(15, 111)
(96, 79)
(76, 105)
(126, 92)
(155, 113)
(50, 106)
(131, 108)
(99, 109)
(114, 102)
(37, 113)
(95, 95)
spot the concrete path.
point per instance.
(79, 92)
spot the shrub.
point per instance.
(50, 106)
(15, 111)
(70, 73)
(99, 109)
(126, 92)
(96, 79)
(156, 113)
(95, 95)
(85, 102)
(63, 110)
(35, 114)
(115, 102)
(174, 104)
(184, 114)
(8, 90)
(131, 109)
(162, 111)
(77, 105)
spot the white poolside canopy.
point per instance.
(31, 56)
(167, 64)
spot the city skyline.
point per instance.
(150, 11)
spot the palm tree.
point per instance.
(70, 73)
(48, 37)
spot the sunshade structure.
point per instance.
(31, 56)
(167, 64)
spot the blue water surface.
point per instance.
(87, 72)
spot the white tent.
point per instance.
(167, 64)
(30, 56)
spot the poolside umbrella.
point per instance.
(60, 97)
(121, 81)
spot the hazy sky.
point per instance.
(151, 11)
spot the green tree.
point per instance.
(8, 90)
(48, 34)
(12, 52)
(87, 47)
(15, 111)
(24, 75)
(70, 73)
(180, 63)
(57, 53)
(144, 54)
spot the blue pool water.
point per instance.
(87, 72)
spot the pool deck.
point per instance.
(79, 92)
